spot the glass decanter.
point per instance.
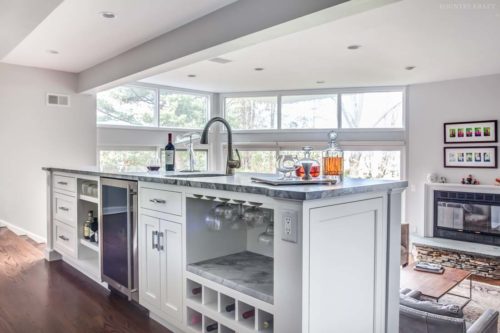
(308, 167)
(333, 159)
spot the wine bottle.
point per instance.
(267, 324)
(195, 319)
(170, 154)
(212, 327)
(196, 290)
(248, 314)
(230, 307)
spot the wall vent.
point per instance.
(58, 100)
(220, 60)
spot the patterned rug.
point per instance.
(484, 296)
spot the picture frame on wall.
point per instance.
(471, 157)
(471, 132)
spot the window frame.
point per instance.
(310, 92)
(157, 88)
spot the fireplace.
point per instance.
(467, 216)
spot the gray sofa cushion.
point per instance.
(450, 310)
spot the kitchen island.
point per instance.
(307, 258)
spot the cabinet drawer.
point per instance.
(162, 201)
(64, 239)
(64, 183)
(65, 208)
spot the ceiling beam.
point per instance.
(18, 18)
(241, 24)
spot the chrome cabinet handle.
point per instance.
(66, 209)
(62, 183)
(64, 238)
(160, 236)
(154, 235)
(159, 201)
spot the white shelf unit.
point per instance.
(89, 198)
(211, 305)
(91, 245)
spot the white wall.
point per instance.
(430, 105)
(33, 135)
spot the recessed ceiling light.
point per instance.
(258, 69)
(320, 82)
(108, 15)
(191, 75)
(52, 51)
(409, 68)
(353, 47)
(220, 60)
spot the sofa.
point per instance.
(418, 316)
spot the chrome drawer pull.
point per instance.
(62, 183)
(158, 201)
(66, 209)
(64, 238)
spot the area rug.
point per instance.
(484, 296)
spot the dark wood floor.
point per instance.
(38, 296)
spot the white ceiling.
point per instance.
(443, 39)
(83, 38)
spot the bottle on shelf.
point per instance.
(248, 314)
(212, 327)
(94, 236)
(87, 230)
(195, 319)
(230, 307)
(267, 324)
(196, 290)
(170, 154)
(333, 159)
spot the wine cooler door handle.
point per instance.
(160, 237)
(154, 235)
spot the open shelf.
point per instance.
(91, 245)
(247, 272)
(89, 198)
(194, 320)
(194, 291)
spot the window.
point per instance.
(127, 105)
(125, 160)
(250, 113)
(182, 159)
(152, 107)
(183, 110)
(258, 161)
(372, 110)
(373, 164)
(309, 111)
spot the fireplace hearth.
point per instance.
(467, 216)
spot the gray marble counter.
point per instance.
(243, 184)
(247, 272)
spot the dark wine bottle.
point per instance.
(248, 314)
(230, 307)
(196, 290)
(170, 154)
(212, 327)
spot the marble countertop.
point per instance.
(247, 272)
(242, 183)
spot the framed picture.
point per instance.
(470, 157)
(471, 132)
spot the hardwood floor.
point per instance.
(38, 296)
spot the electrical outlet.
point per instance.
(289, 226)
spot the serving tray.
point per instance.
(277, 181)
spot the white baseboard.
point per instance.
(23, 232)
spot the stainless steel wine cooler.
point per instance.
(118, 238)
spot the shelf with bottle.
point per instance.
(91, 245)
(225, 308)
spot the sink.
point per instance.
(197, 175)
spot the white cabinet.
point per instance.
(160, 266)
(347, 267)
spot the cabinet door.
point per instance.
(171, 268)
(347, 251)
(149, 262)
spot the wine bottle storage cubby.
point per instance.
(210, 310)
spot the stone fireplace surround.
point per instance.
(480, 259)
